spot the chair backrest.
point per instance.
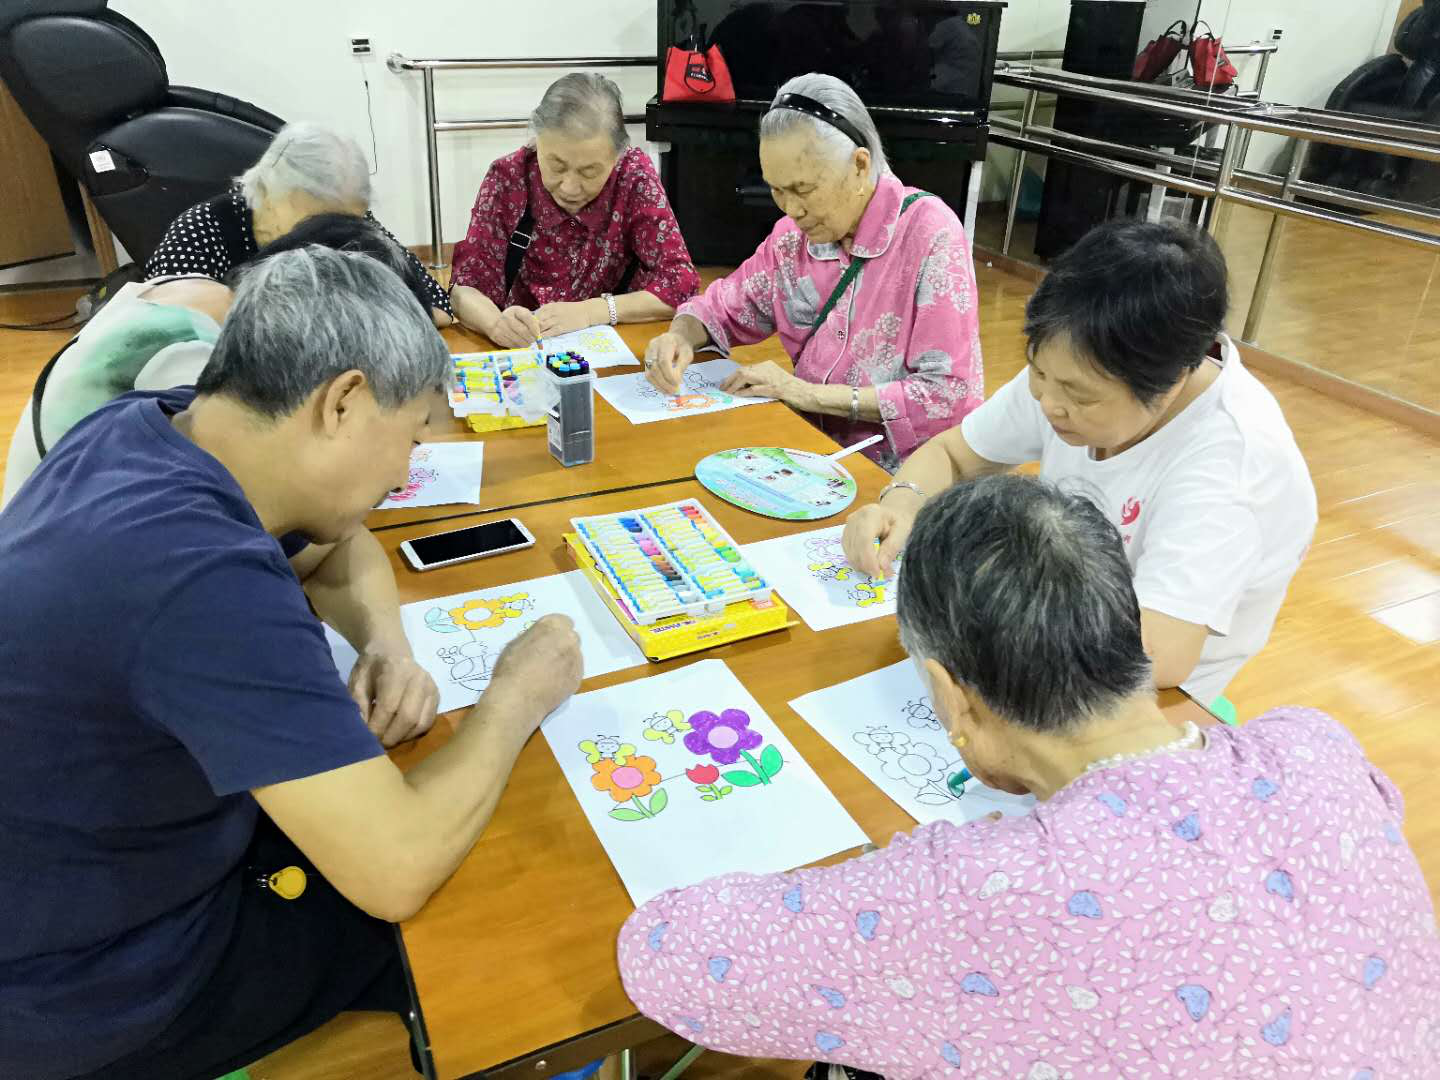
(77, 69)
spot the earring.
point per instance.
(959, 742)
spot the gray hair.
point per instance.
(1022, 592)
(304, 317)
(311, 159)
(838, 97)
(582, 105)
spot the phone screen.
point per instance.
(443, 547)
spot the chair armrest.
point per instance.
(191, 97)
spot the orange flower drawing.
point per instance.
(635, 779)
(497, 610)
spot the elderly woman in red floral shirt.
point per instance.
(571, 231)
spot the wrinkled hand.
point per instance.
(556, 319)
(666, 358)
(516, 328)
(766, 379)
(540, 668)
(397, 697)
(886, 524)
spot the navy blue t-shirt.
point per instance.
(158, 660)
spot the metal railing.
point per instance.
(433, 128)
(1220, 183)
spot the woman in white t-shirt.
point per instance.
(1134, 397)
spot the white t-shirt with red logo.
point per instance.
(1216, 509)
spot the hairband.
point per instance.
(811, 107)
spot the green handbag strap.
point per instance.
(846, 278)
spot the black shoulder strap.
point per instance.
(520, 241)
(38, 394)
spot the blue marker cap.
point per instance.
(956, 782)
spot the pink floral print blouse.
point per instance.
(1246, 910)
(907, 325)
(575, 256)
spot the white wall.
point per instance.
(293, 59)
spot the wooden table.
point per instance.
(513, 959)
(520, 472)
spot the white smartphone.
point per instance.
(461, 545)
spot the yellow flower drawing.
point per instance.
(497, 610)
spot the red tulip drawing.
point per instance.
(704, 777)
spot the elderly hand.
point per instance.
(767, 379)
(889, 525)
(542, 667)
(556, 319)
(516, 328)
(397, 697)
(666, 358)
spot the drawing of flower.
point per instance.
(635, 779)
(726, 739)
(498, 609)
(703, 774)
(630, 783)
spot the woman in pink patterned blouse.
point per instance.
(603, 244)
(1181, 903)
(869, 284)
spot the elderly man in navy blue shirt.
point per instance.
(202, 841)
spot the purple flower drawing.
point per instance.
(724, 737)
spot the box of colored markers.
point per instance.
(482, 388)
(675, 579)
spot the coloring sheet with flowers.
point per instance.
(638, 401)
(884, 724)
(814, 578)
(458, 638)
(683, 776)
(441, 473)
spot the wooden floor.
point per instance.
(1351, 304)
(1375, 566)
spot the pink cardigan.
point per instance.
(907, 325)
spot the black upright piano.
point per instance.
(923, 67)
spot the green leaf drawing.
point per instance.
(726, 790)
(743, 779)
(438, 619)
(659, 801)
(707, 798)
(771, 761)
(624, 813)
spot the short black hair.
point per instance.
(1022, 593)
(1143, 300)
(346, 232)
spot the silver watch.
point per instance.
(610, 303)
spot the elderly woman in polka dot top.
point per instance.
(1180, 903)
(306, 170)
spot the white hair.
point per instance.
(311, 159)
(838, 97)
(582, 104)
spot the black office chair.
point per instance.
(1403, 85)
(94, 86)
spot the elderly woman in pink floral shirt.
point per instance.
(869, 284)
(1181, 903)
(572, 231)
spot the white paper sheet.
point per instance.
(600, 345)
(641, 403)
(458, 638)
(441, 474)
(639, 760)
(884, 724)
(812, 576)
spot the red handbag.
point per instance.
(1155, 59)
(1210, 66)
(695, 74)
